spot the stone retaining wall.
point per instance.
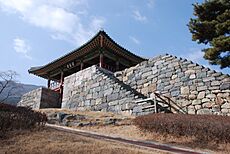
(198, 90)
(97, 89)
(193, 88)
(41, 98)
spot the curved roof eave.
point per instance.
(34, 69)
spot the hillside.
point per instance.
(17, 92)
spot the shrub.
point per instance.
(203, 127)
(12, 118)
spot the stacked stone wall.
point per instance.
(41, 98)
(97, 89)
(196, 89)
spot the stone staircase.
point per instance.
(141, 105)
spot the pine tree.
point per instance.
(212, 27)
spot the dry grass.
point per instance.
(128, 130)
(51, 141)
(91, 114)
(131, 131)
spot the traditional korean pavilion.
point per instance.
(101, 50)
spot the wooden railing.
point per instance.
(159, 102)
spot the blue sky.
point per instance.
(35, 32)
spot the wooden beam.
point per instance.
(112, 56)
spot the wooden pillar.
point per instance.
(62, 78)
(61, 86)
(81, 65)
(48, 83)
(101, 60)
(117, 65)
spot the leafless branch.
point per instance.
(8, 84)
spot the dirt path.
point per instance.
(151, 145)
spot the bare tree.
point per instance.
(8, 85)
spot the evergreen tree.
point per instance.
(212, 27)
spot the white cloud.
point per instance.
(137, 16)
(134, 39)
(22, 47)
(150, 3)
(63, 18)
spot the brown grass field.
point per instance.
(49, 141)
(127, 129)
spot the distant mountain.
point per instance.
(18, 90)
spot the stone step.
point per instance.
(148, 107)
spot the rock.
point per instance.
(174, 76)
(201, 95)
(184, 90)
(109, 121)
(190, 72)
(196, 102)
(207, 105)
(204, 111)
(175, 93)
(192, 76)
(211, 96)
(216, 108)
(205, 100)
(225, 86)
(202, 88)
(225, 110)
(208, 79)
(197, 107)
(112, 97)
(215, 83)
(226, 106)
(192, 96)
(108, 91)
(201, 75)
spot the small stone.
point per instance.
(223, 95)
(205, 100)
(208, 79)
(207, 105)
(152, 88)
(204, 111)
(215, 83)
(225, 110)
(190, 71)
(184, 90)
(191, 111)
(226, 106)
(174, 76)
(216, 108)
(201, 95)
(197, 107)
(202, 88)
(192, 96)
(196, 102)
(211, 96)
(225, 86)
(192, 76)
(175, 93)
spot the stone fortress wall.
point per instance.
(185, 86)
(193, 88)
(196, 89)
(40, 98)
